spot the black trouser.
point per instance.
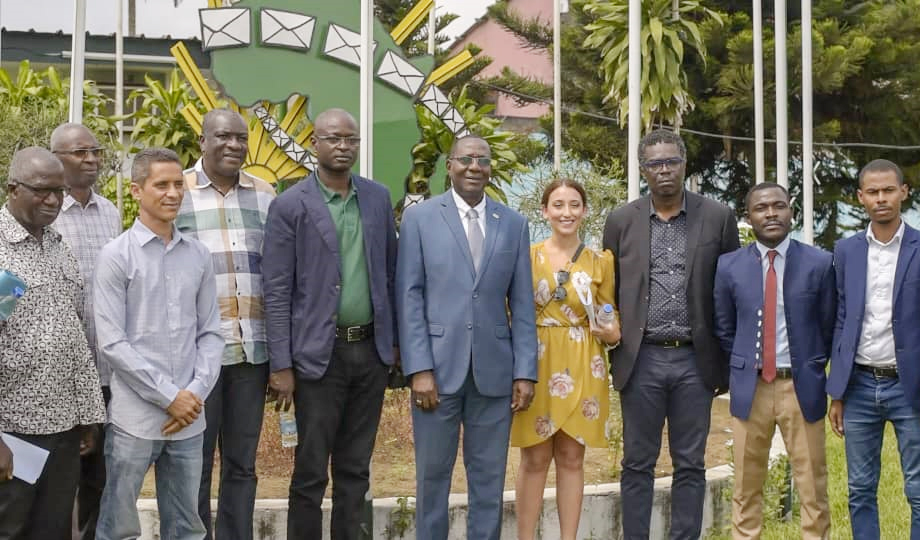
(337, 416)
(665, 384)
(233, 412)
(43, 511)
(92, 482)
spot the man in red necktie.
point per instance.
(774, 315)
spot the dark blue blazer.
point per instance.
(808, 299)
(850, 261)
(301, 273)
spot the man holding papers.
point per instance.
(50, 397)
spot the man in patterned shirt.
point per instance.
(87, 222)
(49, 389)
(225, 209)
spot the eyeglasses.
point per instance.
(42, 193)
(658, 164)
(83, 153)
(562, 277)
(466, 161)
(335, 140)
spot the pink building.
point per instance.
(506, 51)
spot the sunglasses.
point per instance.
(466, 161)
(42, 192)
(562, 277)
(83, 153)
(659, 164)
(334, 140)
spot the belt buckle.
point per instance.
(353, 333)
(671, 344)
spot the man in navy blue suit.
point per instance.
(875, 376)
(328, 268)
(774, 316)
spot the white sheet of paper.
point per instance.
(28, 459)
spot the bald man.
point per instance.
(329, 266)
(87, 222)
(49, 389)
(225, 208)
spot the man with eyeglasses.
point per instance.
(669, 364)
(225, 209)
(329, 266)
(50, 393)
(464, 299)
(87, 222)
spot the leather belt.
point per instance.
(879, 372)
(781, 373)
(668, 343)
(350, 334)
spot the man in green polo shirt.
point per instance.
(329, 266)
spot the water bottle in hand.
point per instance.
(11, 290)
(288, 429)
(606, 316)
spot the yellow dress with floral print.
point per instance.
(571, 392)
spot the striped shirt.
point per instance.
(86, 229)
(231, 226)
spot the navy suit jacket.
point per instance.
(850, 261)
(301, 273)
(451, 317)
(809, 306)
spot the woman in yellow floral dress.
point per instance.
(571, 398)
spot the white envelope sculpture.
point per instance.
(343, 44)
(286, 29)
(400, 74)
(437, 102)
(224, 27)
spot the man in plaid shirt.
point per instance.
(87, 222)
(225, 209)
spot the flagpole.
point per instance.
(808, 185)
(366, 85)
(78, 52)
(782, 106)
(635, 100)
(557, 86)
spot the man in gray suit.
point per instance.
(328, 267)
(669, 364)
(464, 301)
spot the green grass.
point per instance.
(894, 514)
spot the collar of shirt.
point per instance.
(13, 232)
(463, 207)
(782, 248)
(329, 194)
(144, 235)
(203, 181)
(69, 201)
(683, 205)
(870, 236)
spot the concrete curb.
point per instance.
(394, 517)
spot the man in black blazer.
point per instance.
(669, 364)
(329, 265)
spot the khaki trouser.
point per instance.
(776, 404)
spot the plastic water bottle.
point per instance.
(288, 429)
(606, 316)
(11, 290)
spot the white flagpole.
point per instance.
(557, 86)
(782, 107)
(367, 88)
(366, 169)
(119, 99)
(432, 27)
(635, 100)
(78, 51)
(808, 224)
(759, 174)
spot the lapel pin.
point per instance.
(495, 215)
